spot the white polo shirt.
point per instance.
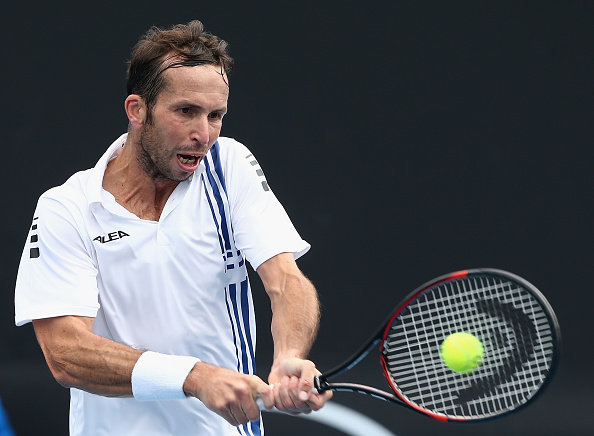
(177, 286)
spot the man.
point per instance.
(134, 274)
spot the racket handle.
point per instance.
(260, 403)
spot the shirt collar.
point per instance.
(95, 182)
(94, 186)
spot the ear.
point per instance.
(135, 110)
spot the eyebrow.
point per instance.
(186, 103)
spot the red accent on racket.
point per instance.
(510, 316)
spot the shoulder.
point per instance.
(234, 157)
(70, 195)
(230, 145)
(230, 149)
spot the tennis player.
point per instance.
(134, 271)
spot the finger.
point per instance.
(298, 396)
(317, 401)
(265, 399)
(305, 386)
(283, 399)
(305, 370)
(283, 393)
(276, 387)
(235, 414)
(296, 405)
(230, 418)
(248, 404)
(251, 411)
(240, 415)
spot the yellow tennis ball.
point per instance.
(462, 352)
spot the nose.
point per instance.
(200, 130)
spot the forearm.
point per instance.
(295, 317)
(295, 321)
(78, 358)
(295, 306)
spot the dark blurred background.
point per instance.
(405, 139)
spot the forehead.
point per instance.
(202, 80)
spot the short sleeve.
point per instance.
(261, 226)
(57, 276)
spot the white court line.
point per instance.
(347, 420)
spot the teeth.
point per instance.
(187, 160)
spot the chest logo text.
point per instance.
(112, 236)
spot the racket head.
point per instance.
(513, 320)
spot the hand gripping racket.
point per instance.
(516, 325)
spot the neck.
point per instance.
(133, 188)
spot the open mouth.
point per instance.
(188, 159)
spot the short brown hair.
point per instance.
(183, 45)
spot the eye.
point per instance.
(185, 110)
(216, 115)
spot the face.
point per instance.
(186, 121)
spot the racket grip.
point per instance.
(260, 403)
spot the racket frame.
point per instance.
(321, 382)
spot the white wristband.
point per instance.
(159, 376)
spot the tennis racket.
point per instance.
(513, 320)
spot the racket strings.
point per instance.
(507, 319)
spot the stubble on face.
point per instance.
(201, 88)
(152, 156)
